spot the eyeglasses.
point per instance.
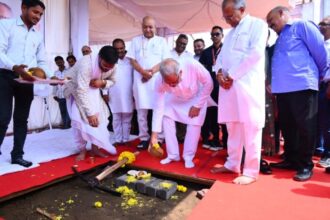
(215, 34)
(323, 24)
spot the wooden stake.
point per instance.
(47, 214)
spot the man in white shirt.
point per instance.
(183, 92)
(146, 52)
(199, 46)
(71, 59)
(21, 47)
(58, 92)
(121, 95)
(179, 51)
(241, 75)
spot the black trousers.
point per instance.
(298, 121)
(211, 124)
(23, 94)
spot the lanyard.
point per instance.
(215, 55)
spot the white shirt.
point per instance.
(243, 57)
(18, 45)
(184, 55)
(197, 57)
(148, 53)
(58, 90)
(327, 75)
(194, 89)
(121, 93)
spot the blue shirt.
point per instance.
(19, 45)
(300, 58)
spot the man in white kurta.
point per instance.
(121, 95)
(183, 92)
(88, 111)
(146, 52)
(241, 96)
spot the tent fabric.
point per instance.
(122, 18)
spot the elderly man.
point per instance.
(146, 52)
(241, 74)
(86, 50)
(183, 91)
(21, 46)
(298, 62)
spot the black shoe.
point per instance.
(22, 162)
(143, 145)
(265, 168)
(283, 165)
(303, 175)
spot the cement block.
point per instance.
(141, 185)
(122, 181)
(152, 187)
(166, 193)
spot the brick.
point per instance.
(152, 187)
(122, 181)
(166, 193)
(141, 185)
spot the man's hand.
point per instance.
(20, 70)
(194, 111)
(146, 75)
(225, 82)
(153, 140)
(97, 83)
(93, 120)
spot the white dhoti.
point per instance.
(242, 135)
(83, 132)
(172, 145)
(121, 123)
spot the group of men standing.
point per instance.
(226, 86)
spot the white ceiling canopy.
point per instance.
(110, 19)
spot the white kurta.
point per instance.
(83, 101)
(121, 93)
(194, 89)
(183, 55)
(148, 53)
(243, 57)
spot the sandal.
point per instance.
(265, 168)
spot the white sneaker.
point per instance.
(188, 164)
(168, 160)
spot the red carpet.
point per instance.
(275, 196)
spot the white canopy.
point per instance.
(109, 19)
